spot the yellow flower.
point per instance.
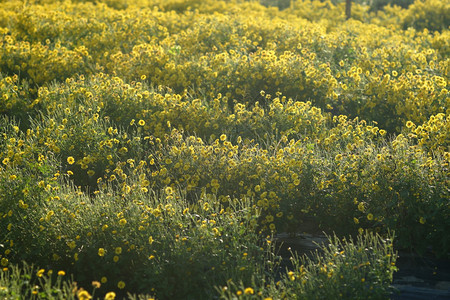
(269, 218)
(49, 215)
(223, 137)
(370, 217)
(422, 220)
(121, 285)
(150, 240)
(123, 222)
(216, 231)
(361, 207)
(118, 250)
(101, 252)
(104, 279)
(143, 77)
(141, 122)
(83, 295)
(110, 296)
(115, 258)
(409, 124)
(61, 273)
(249, 291)
(40, 273)
(291, 275)
(70, 160)
(96, 284)
(239, 293)
(4, 262)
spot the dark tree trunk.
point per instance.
(348, 9)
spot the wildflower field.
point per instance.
(153, 148)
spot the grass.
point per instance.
(153, 149)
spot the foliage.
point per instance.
(428, 14)
(336, 65)
(137, 137)
(344, 269)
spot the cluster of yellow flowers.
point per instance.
(433, 135)
(134, 138)
(346, 267)
(238, 156)
(354, 68)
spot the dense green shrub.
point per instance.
(155, 147)
(432, 15)
(347, 269)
